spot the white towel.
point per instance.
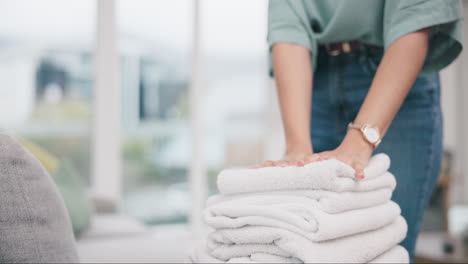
(329, 202)
(301, 216)
(227, 244)
(332, 175)
(199, 254)
(397, 254)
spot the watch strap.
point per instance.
(361, 129)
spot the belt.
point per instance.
(335, 49)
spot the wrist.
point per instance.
(298, 147)
(356, 140)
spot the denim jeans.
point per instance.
(413, 141)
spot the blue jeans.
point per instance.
(413, 141)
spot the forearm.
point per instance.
(293, 75)
(395, 76)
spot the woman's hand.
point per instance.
(354, 151)
(292, 158)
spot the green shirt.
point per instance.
(313, 22)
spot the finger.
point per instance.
(326, 155)
(268, 163)
(292, 163)
(281, 163)
(312, 158)
(359, 169)
(300, 163)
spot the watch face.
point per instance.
(372, 134)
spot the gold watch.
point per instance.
(370, 133)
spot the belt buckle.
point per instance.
(331, 51)
(345, 47)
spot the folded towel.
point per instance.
(265, 258)
(397, 254)
(226, 244)
(331, 175)
(199, 254)
(301, 216)
(329, 202)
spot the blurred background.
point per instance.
(134, 106)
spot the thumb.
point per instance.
(359, 169)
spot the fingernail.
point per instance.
(360, 176)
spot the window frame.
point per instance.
(106, 133)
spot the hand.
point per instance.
(354, 151)
(292, 158)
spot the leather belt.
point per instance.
(335, 49)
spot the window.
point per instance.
(236, 86)
(47, 56)
(155, 41)
(46, 73)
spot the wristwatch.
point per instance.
(370, 133)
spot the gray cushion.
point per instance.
(34, 225)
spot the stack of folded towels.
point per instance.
(319, 213)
